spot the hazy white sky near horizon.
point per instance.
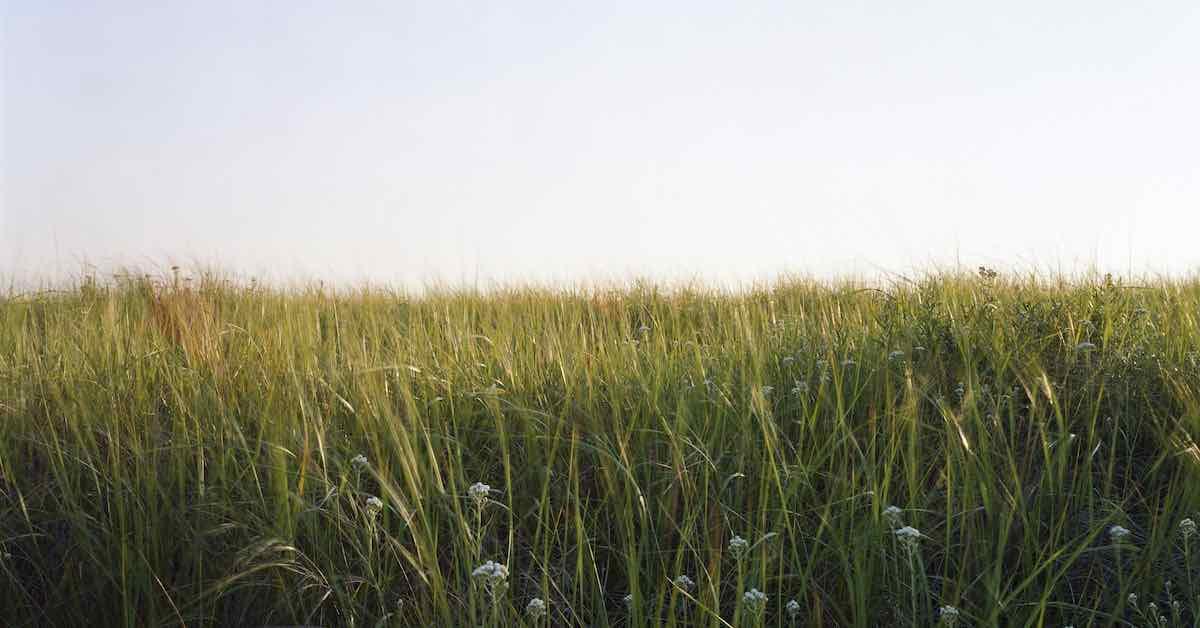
(566, 140)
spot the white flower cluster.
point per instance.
(909, 537)
(536, 607)
(1118, 534)
(684, 582)
(494, 576)
(479, 493)
(793, 609)
(738, 547)
(949, 615)
(893, 514)
(1187, 528)
(359, 461)
(755, 601)
(374, 505)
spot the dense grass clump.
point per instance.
(979, 451)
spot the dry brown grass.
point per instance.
(189, 321)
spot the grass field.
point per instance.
(186, 453)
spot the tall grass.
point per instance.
(183, 454)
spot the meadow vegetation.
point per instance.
(971, 450)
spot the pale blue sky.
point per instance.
(570, 140)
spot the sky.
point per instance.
(411, 142)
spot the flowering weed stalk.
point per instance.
(908, 541)
(493, 577)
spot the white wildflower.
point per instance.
(479, 493)
(767, 390)
(374, 505)
(1133, 599)
(893, 515)
(755, 601)
(1187, 528)
(909, 536)
(949, 615)
(793, 609)
(738, 547)
(628, 600)
(684, 582)
(359, 461)
(493, 575)
(1118, 534)
(536, 607)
